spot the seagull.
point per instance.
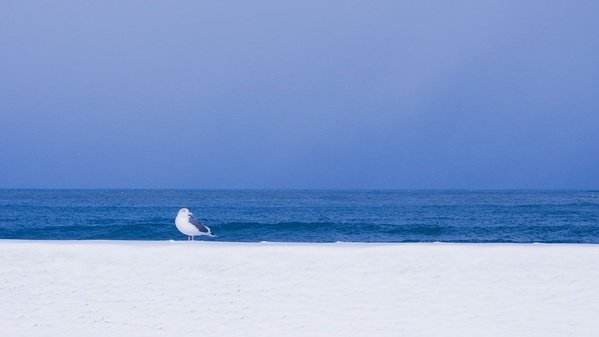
(189, 225)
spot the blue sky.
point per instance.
(310, 94)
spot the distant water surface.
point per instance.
(305, 215)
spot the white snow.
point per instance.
(180, 289)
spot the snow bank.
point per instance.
(226, 289)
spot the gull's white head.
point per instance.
(184, 212)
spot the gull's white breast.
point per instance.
(184, 226)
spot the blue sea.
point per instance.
(304, 215)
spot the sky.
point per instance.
(303, 94)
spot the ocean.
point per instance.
(305, 215)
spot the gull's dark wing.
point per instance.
(198, 225)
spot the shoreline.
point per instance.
(294, 243)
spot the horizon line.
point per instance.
(301, 189)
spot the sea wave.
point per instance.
(315, 232)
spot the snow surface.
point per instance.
(108, 288)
